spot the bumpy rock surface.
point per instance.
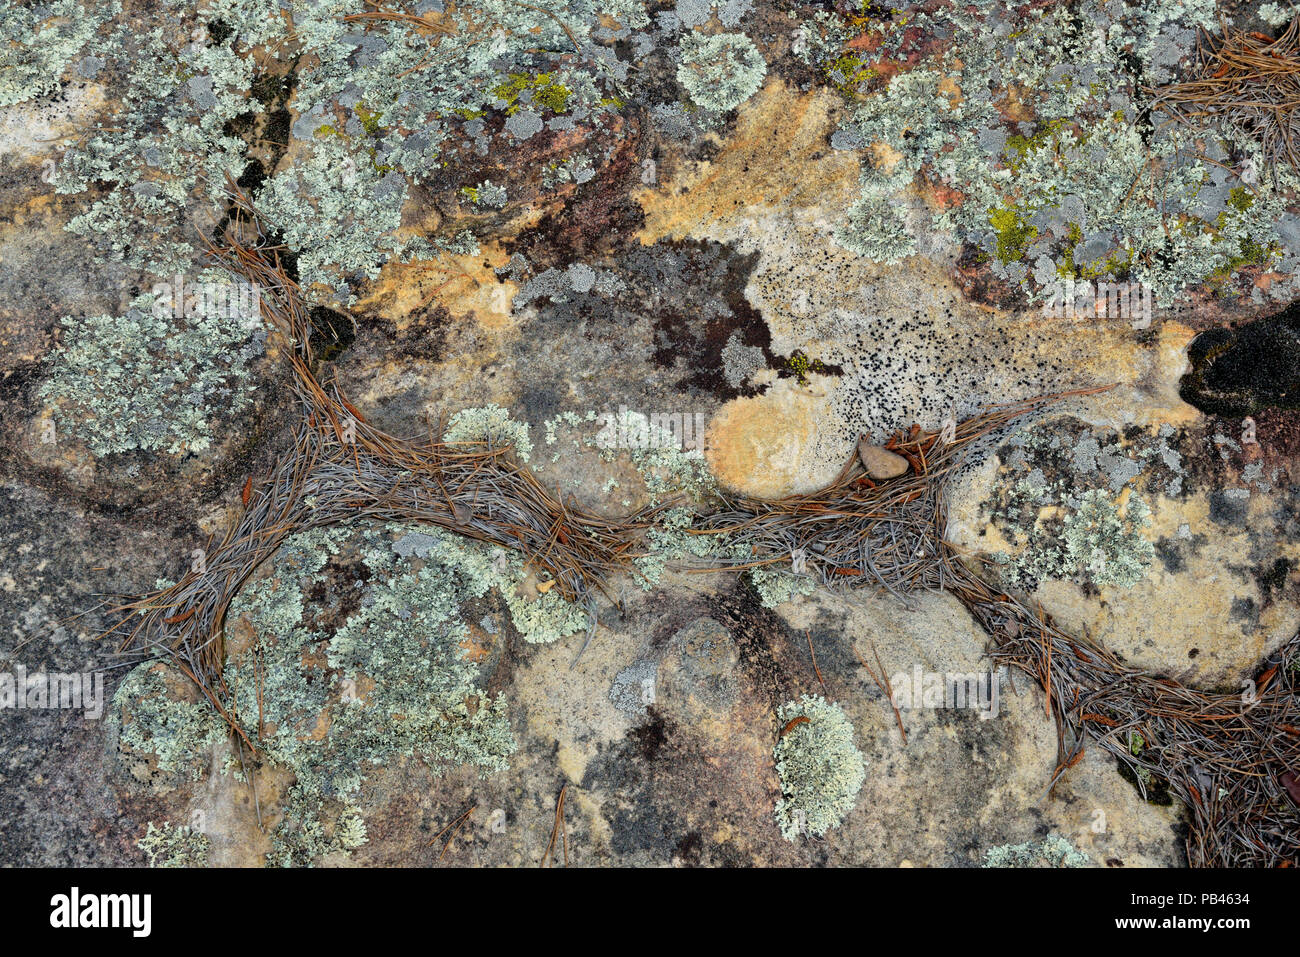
(596, 231)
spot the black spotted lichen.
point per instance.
(820, 768)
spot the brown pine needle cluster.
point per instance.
(1250, 81)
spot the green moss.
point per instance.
(1240, 199)
(1019, 148)
(848, 72)
(542, 90)
(172, 846)
(1012, 233)
(820, 768)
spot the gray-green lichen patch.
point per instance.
(673, 476)
(165, 734)
(777, 585)
(1068, 502)
(1038, 124)
(820, 768)
(174, 846)
(721, 71)
(156, 169)
(540, 617)
(40, 43)
(491, 424)
(151, 380)
(1051, 851)
(380, 104)
(392, 677)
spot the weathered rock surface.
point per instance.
(709, 286)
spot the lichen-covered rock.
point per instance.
(668, 254)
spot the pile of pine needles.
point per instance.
(1232, 759)
(343, 469)
(1249, 80)
(1228, 758)
(856, 532)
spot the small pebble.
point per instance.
(881, 463)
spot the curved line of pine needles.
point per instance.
(1225, 758)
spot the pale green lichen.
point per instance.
(1106, 545)
(150, 380)
(1051, 851)
(38, 44)
(776, 586)
(343, 212)
(669, 473)
(376, 103)
(164, 154)
(392, 681)
(721, 71)
(1092, 187)
(155, 726)
(492, 424)
(876, 227)
(540, 618)
(1095, 543)
(1071, 506)
(174, 846)
(486, 194)
(820, 768)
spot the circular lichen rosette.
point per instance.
(720, 72)
(820, 768)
